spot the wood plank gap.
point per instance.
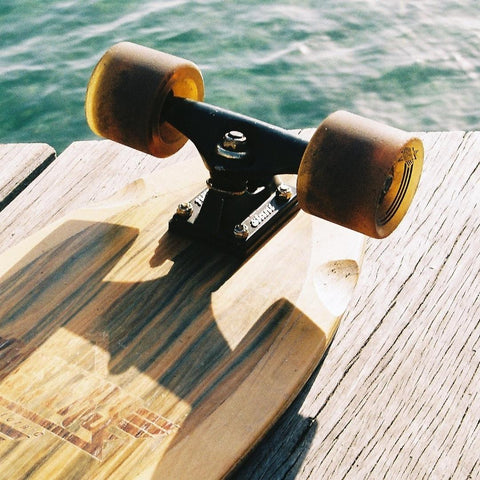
(49, 156)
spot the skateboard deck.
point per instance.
(127, 351)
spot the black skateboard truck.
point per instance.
(355, 172)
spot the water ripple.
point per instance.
(413, 64)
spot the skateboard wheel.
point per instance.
(127, 92)
(359, 173)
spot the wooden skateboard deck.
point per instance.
(127, 351)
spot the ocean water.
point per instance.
(412, 64)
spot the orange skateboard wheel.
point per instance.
(359, 173)
(127, 92)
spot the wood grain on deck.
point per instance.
(397, 395)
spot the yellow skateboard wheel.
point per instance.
(359, 173)
(127, 92)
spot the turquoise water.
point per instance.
(413, 64)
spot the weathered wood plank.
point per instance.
(21, 164)
(397, 395)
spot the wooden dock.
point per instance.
(397, 396)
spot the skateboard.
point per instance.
(161, 333)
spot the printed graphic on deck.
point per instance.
(34, 404)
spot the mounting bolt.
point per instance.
(284, 192)
(185, 210)
(240, 231)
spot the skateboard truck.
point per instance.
(355, 172)
(244, 202)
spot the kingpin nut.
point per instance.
(233, 145)
(234, 141)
